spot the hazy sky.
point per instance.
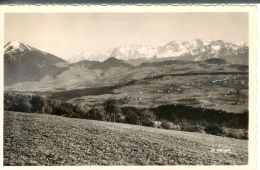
(65, 34)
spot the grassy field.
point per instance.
(37, 139)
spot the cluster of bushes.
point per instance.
(228, 132)
(172, 117)
(17, 102)
(201, 116)
(41, 105)
(169, 125)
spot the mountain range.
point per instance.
(23, 63)
(196, 50)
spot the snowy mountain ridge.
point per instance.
(199, 48)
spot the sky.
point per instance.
(63, 34)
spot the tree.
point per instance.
(147, 117)
(8, 101)
(21, 103)
(111, 107)
(38, 103)
(53, 106)
(96, 113)
(67, 109)
(131, 115)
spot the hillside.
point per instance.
(38, 139)
(105, 65)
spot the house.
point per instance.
(157, 123)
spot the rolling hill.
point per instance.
(107, 64)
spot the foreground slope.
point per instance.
(34, 139)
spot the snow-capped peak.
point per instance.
(15, 46)
(134, 51)
(96, 56)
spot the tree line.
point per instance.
(174, 116)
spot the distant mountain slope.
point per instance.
(110, 62)
(84, 63)
(25, 63)
(216, 61)
(113, 62)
